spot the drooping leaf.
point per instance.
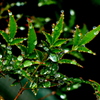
(58, 29)
(40, 55)
(12, 25)
(59, 42)
(77, 55)
(48, 37)
(32, 39)
(85, 49)
(76, 38)
(22, 48)
(17, 40)
(89, 36)
(5, 36)
(68, 61)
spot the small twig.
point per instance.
(52, 93)
(21, 90)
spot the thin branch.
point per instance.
(21, 90)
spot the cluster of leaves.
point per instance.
(39, 62)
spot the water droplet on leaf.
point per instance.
(95, 33)
(63, 96)
(0, 56)
(72, 12)
(27, 63)
(53, 57)
(20, 58)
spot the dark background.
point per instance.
(87, 12)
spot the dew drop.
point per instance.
(0, 56)
(27, 63)
(72, 12)
(53, 57)
(40, 4)
(47, 19)
(22, 28)
(66, 50)
(9, 52)
(94, 27)
(57, 75)
(62, 11)
(75, 86)
(66, 29)
(20, 58)
(10, 13)
(35, 42)
(18, 15)
(18, 4)
(9, 47)
(68, 88)
(46, 49)
(63, 96)
(95, 33)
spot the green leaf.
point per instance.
(56, 50)
(59, 42)
(58, 29)
(40, 55)
(17, 40)
(68, 61)
(89, 36)
(12, 25)
(5, 36)
(77, 55)
(22, 48)
(76, 38)
(46, 84)
(48, 37)
(85, 49)
(32, 39)
(84, 30)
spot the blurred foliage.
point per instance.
(39, 60)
